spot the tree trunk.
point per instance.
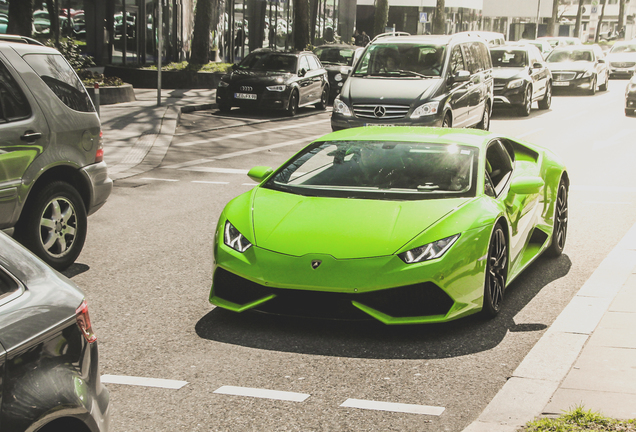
(600, 21)
(381, 16)
(301, 24)
(554, 20)
(621, 16)
(53, 8)
(20, 17)
(201, 33)
(439, 19)
(579, 15)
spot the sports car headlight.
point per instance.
(234, 239)
(223, 84)
(429, 251)
(426, 109)
(339, 107)
(277, 88)
(515, 83)
(587, 74)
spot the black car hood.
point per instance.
(402, 91)
(507, 73)
(570, 66)
(262, 77)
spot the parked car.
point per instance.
(630, 97)
(559, 41)
(48, 350)
(52, 173)
(543, 46)
(444, 220)
(493, 39)
(621, 59)
(337, 59)
(521, 77)
(578, 68)
(418, 81)
(267, 79)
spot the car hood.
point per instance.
(570, 66)
(506, 73)
(403, 91)
(248, 77)
(341, 227)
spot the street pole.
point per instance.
(536, 31)
(159, 49)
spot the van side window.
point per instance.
(485, 56)
(474, 57)
(456, 60)
(13, 103)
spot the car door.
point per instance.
(475, 84)
(458, 92)
(317, 75)
(24, 134)
(305, 80)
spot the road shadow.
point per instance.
(255, 114)
(512, 113)
(75, 269)
(372, 339)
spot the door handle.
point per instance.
(31, 136)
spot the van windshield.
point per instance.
(414, 60)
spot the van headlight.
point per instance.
(425, 110)
(339, 107)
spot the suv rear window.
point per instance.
(61, 78)
(13, 103)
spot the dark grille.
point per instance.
(413, 300)
(389, 111)
(623, 64)
(563, 76)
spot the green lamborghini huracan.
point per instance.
(405, 225)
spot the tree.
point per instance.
(621, 16)
(554, 19)
(53, 8)
(20, 17)
(201, 34)
(600, 21)
(579, 15)
(301, 24)
(439, 19)
(381, 16)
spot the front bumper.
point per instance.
(100, 185)
(615, 71)
(384, 288)
(339, 121)
(575, 84)
(513, 96)
(265, 99)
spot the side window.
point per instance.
(498, 166)
(456, 60)
(8, 286)
(13, 103)
(303, 64)
(61, 79)
(469, 59)
(313, 63)
(485, 56)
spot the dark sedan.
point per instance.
(521, 77)
(630, 97)
(48, 351)
(267, 79)
(337, 59)
(578, 68)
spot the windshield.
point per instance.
(409, 60)
(623, 48)
(269, 61)
(380, 170)
(562, 56)
(335, 55)
(509, 58)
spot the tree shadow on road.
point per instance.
(372, 339)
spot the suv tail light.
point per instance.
(84, 322)
(99, 155)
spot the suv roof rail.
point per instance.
(19, 39)
(393, 33)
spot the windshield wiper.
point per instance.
(408, 72)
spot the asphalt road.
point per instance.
(146, 268)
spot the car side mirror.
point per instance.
(259, 173)
(601, 60)
(302, 73)
(537, 65)
(526, 185)
(461, 76)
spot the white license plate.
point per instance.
(378, 124)
(250, 96)
(561, 84)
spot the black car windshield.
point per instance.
(404, 59)
(270, 62)
(623, 48)
(509, 58)
(380, 170)
(562, 56)
(335, 55)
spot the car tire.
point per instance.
(592, 90)
(603, 87)
(496, 272)
(53, 224)
(324, 97)
(526, 107)
(545, 103)
(292, 106)
(484, 124)
(560, 230)
(448, 121)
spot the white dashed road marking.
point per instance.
(218, 170)
(262, 393)
(146, 382)
(393, 407)
(158, 179)
(210, 182)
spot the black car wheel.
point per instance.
(322, 105)
(496, 273)
(592, 90)
(292, 107)
(526, 108)
(603, 87)
(448, 122)
(53, 225)
(484, 124)
(547, 98)
(560, 230)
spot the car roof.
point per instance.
(431, 39)
(23, 48)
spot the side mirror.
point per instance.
(259, 173)
(537, 65)
(526, 185)
(461, 76)
(601, 60)
(302, 73)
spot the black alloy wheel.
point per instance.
(547, 98)
(292, 107)
(592, 90)
(496, 273)
(526, 108)
(559, 233)
(484, 124)
(324, 97)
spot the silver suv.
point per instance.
(52, 174)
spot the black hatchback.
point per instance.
(267, 79)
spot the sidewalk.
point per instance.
(587, 357)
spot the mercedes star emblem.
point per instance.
(379, 111)
(315, 264)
